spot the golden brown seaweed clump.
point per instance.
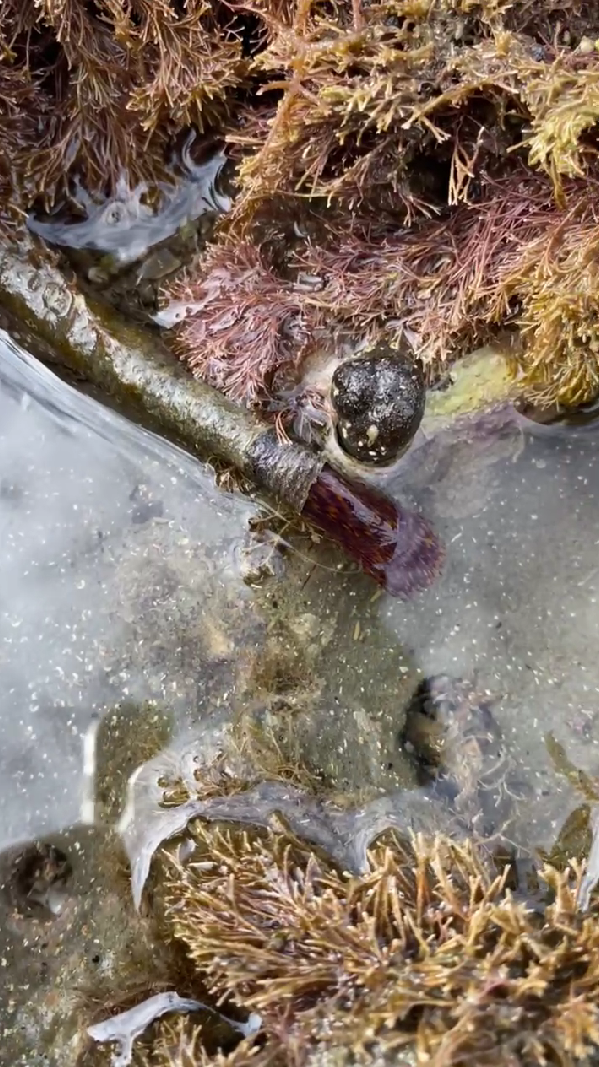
(426, 951)
(401, 105)
(448, 150)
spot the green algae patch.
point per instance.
(482, 380)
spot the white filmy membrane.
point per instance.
(124, 1028)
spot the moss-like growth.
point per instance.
(423, 169)
(428, 950)
(248, 324)
(453, 145)
(358, 936)
(89, 90)
(519, 259)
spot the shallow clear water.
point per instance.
(98, 521)
(122, 585)
(125, 617)
(517, 606)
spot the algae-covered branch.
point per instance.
(392, 544)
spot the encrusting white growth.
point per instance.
(122, 1029)
(345, 835)
(125, 1027)
(145, 822)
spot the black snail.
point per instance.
(378, 402)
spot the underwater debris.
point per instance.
(344, 836)
(122, 1029)
(217, 781)
(392, 544)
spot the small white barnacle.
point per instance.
(372, 433)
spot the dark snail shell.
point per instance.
(378, 400)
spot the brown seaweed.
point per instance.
(431, 164)
(362, 933)
(425, 953)
(93, 91)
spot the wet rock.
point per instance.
(451, 728)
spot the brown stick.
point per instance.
(129, 364)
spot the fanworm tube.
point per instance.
(392, 544)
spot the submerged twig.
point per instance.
(392, 544)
